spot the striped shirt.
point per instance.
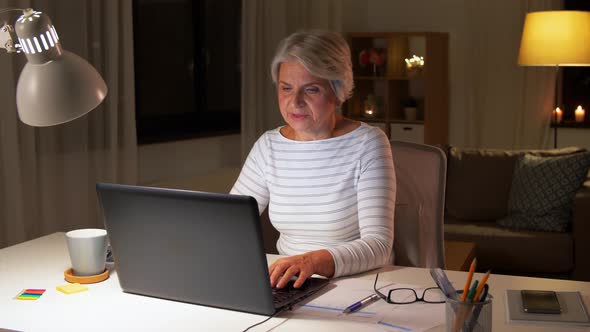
(336, 194)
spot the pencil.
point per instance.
(469, 277)
(459, 312)
(481, 285)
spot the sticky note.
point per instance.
(71, 288)
(30, 294)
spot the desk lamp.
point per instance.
(555, 38)
(55, 86)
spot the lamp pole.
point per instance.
(556, 99)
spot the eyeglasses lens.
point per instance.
(402, 296)
(434, 295)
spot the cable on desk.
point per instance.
(267, 319)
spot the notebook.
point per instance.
(195, 247)
(572, 306)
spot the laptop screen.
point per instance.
(195, 247)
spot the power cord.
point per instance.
(268, 318)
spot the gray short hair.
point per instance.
(324, 54)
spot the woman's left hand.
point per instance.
(303, 266)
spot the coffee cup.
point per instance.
(88, 251)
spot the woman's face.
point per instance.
(307, 103)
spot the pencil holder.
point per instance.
(468, 316)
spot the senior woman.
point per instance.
(328, 181)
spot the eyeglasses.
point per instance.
(409, 295)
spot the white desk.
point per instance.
(40, 264)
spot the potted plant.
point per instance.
(410, 108)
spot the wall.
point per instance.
(167, 162)
(572, 137)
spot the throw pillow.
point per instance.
(542, 191)
(479, 180)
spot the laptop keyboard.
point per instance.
(287, 293)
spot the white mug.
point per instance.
(88, 250)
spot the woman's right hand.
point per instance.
(303, 266)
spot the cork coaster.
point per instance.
(71, 277)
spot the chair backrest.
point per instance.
(419, 209)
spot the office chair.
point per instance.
(419, 209)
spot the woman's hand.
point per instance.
(303, 266)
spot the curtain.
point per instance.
(48, 175)
(493, 39)
(264, 24)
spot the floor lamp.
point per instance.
(555, 38)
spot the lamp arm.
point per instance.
(7, 38)
(11, 10)
(7, 34)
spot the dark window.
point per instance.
(576, 80)
(187, 68)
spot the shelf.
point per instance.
(381, 120)
(420, 122)
(579, 125)
(386, 78)
(367, 119)
(392, 85)
(384, 35)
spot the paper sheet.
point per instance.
(413, 317)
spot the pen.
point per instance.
(477, 309)
(443, 282)
(472, 291)
(463, 311)
(359, 304)
(481, 285)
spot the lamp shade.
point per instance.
(55, 86)
(58, 91)
(553, 38)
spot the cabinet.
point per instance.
(384, 86)
(406, 131)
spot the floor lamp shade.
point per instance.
(55, 86)
(555, 38)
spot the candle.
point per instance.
(370, 109)
(559, 115)
(580, 113)
(369, 113)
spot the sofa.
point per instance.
(478, 192)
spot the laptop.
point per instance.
(195, 247)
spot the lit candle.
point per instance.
(559, 113)
(370, 109)
(580, 113)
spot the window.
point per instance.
(576, 80)
(187, 68)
